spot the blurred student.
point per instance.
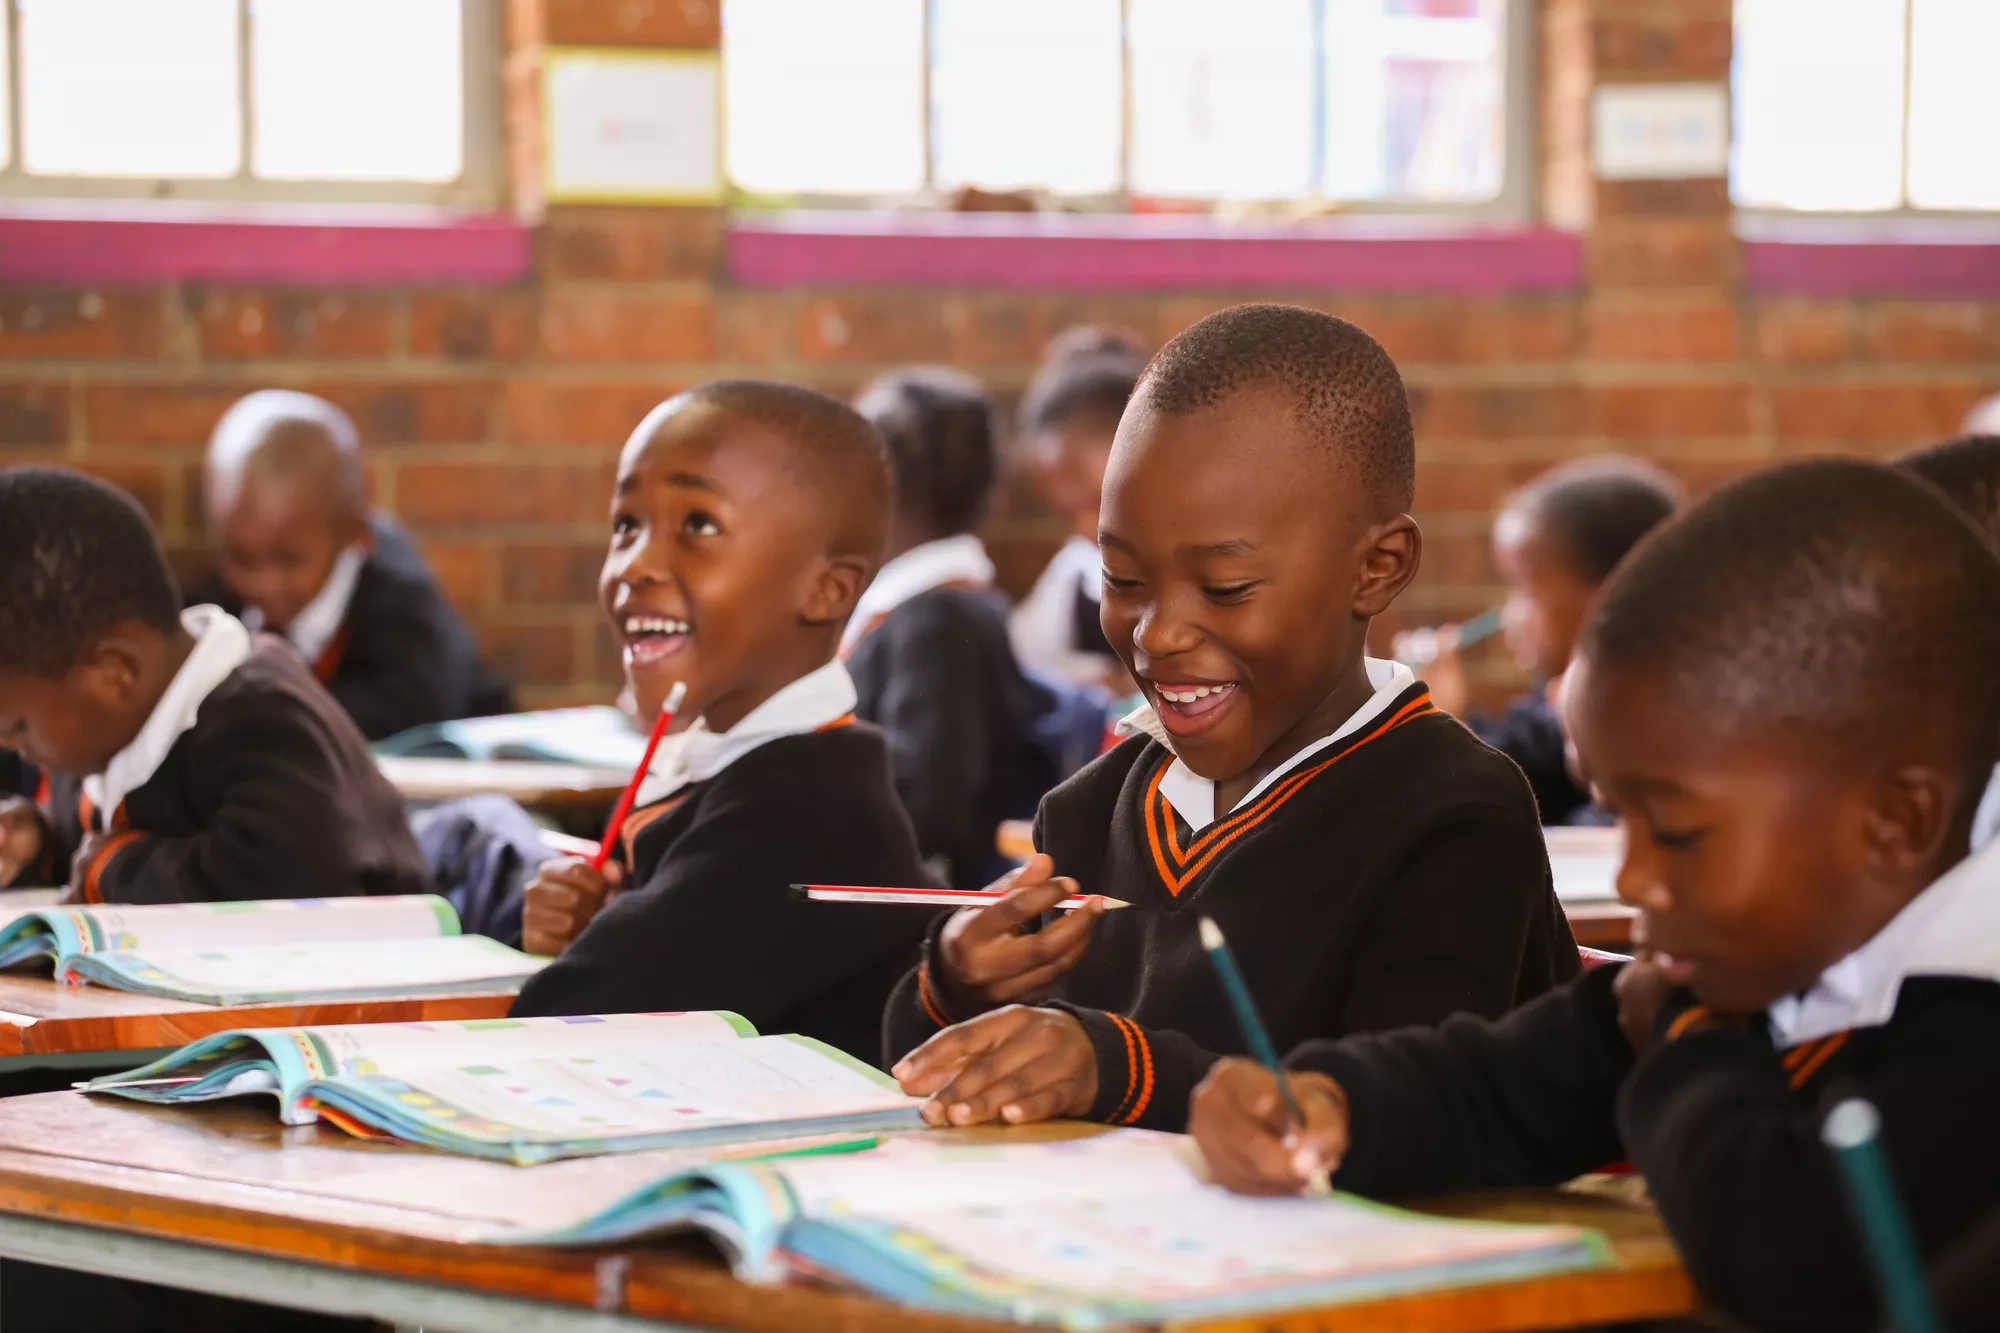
(927, 646)
(1371, 861)
(746, 519)
(1788, 697)
(1555, 542)
(1067, 419)
(189, 760)
(298, 553)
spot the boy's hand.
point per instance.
(1247, 1136)
(564, 898)
(20, 837)
(1017, 1064)
(1642, 986)
(984, 954)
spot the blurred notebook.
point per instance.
(597, 737)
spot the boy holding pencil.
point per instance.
(1372, 863)
(746, 520)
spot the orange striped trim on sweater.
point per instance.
(929, 997)
(1820, 1052)
(1177, 867)
(93, 889)
(330, 657)
(1688, 1019)
(1139, 1076)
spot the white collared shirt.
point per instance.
(221, 645)
(316, 624)
(1193, 796)
(1951, 929)
(928, 565)
(698, 754)
(1986, 819)
(1043, 627)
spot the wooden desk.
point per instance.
(44, 1023)
(551, 786)
(224, 1199)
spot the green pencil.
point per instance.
(1254, 1035)
(1851, 1130)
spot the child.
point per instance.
(746, 521)
(928, 643)
(1068, 417)
(190, 761)
(1555, 543)
(298, 553)
(1372, 863)
(1788, 698)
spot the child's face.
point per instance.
(1755, 863)
(1546, 599)
(1239, 567)
(277, 545)
(74, 723)
(717, 573)
(1068, 468)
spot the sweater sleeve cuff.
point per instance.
(95, 874)
(1126, 1078)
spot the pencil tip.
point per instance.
(1211, 934)
(676, 695)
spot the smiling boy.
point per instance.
(746, 520)
(1372, 863)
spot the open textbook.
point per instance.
(598, 736)
(531, 1090)
(1112, 1228)
(291, 949)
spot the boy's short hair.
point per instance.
(1838, 600)
(1967, 470)
(1597, 509)
(1344, 386)
(939, 426)
(80, 557)
(1089, 386)
(287, 434)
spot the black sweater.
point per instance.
(403, 656)
(1396, 877)
(938, 676)
(271, 794)
(1531, 734)
(710, 922)
(1724, 1128)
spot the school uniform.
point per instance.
(1530, 733)
(1722, 1116)
(385, 640)
(797, 792)
(246, 781)
(1056, 629)
(1392, 873)
(932, 667)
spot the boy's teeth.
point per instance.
(1188, 696)
(655, 625)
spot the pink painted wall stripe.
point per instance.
(1886, 268)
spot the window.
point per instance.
(1153, 104)
(365, 100)
(1867, 105)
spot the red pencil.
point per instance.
(624, 806)
(875, 893)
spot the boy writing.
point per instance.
(189, 759)
(1372, 863)
(746, 520)
(1788, 700)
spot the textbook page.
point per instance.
(283, 920)
(398, 1049)
(251, 973)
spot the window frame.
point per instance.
(479, 185)
(1512, 203)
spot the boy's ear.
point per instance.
(1390, 554)
(1910, 819)
(833, 587)
(110, 667)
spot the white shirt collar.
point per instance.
(316, 624)
(1951, 929)
(1193, 796)
(698, 754)
(1986, 819)
(221, 645)
(1043, 627)
(960, 559)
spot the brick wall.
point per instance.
(493, 415)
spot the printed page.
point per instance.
(276, 921)
(367, 1049)
(377, 966)
(1584, 862)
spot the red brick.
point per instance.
(530, 652)
(638, 244)
(1618, 330)
(155, 413)
(683, 23)
(1455, 331)
(1685, 40)
(873, 327)
(1930, 331)
(1496, 413)
(1802, 332)
(1807, 415)
(1642, 411)
(460, 568)
(599, 326)
(754, 328)
(409, 411)
(1701, 196)
(470, 326)
(989, 328)
(550, 572)
(245, 324)
(34, 414)
(1664, 252)
(148, 483)
(600, 416)
(73, 324)
(1456, 556)
(493, 492)
(1469, 487)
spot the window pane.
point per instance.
(357, 89)
(129, 87)
(1026, 93)
(1954, 104)
(1819, 103)
(1413, 98)
(1222, 109)
(6, 99)
(825, 97)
